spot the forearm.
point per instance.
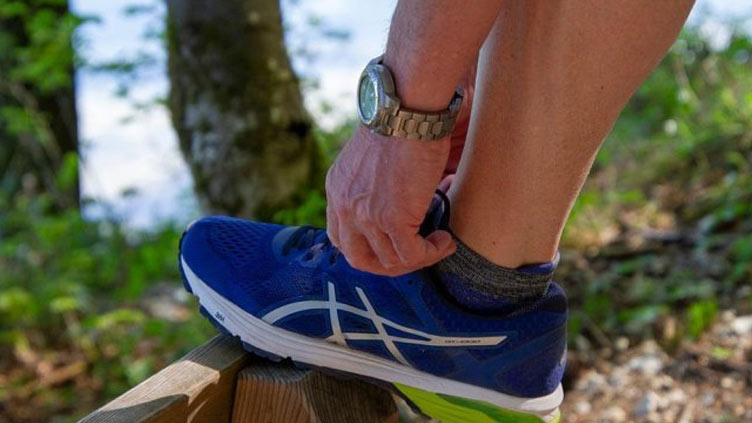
(432, 44)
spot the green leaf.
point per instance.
(700, 316)
(67, 177)
(138, 370)
(65, 304)
(118, 317)
(13, 9)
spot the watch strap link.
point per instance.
(424, 126)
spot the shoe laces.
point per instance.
(307, 237)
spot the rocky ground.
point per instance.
(705, 381)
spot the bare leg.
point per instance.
(553, 77)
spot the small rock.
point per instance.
(591, 383)
(582, 343)
(662, 382)
(742, 325)
(727, 316)
(647, 405)
(708, 399)
(676, 396)
(646, 364)
(614, 414)
(650, 347)
(618, 377)
(582, 407)
(744, 291)
(655, 417)
(622, 343)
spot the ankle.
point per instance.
(481, 285)
(508, 250)
(507, 239)
(516, 256)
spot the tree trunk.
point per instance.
(38, 124)
(237, 107)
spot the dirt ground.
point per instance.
(705, 381)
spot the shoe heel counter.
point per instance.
(541, 371)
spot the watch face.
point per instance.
(367, 98)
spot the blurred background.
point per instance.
(122, 120)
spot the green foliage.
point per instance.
(677, 161)
(691, 117)
(73, 289)
(700, 316)
(41, 53)
(37, 39)
(312, 211)
(742, 260)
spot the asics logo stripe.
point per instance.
(379, 322)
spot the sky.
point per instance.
(126, 150)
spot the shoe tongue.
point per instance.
(437, 216)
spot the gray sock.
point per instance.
(479, 284)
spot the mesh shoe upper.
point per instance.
(264, 267)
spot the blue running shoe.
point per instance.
(286, 292)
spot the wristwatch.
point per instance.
(380, 109)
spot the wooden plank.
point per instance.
(199, 388)
(280, 393)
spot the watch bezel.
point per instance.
(387, 104)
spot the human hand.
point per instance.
(378, 192)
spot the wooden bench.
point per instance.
(220, 382)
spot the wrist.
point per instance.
(381, 109)
(419, 87)
(438, 148)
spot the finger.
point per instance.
(332, 226)
(414, 250)
(408, 250)
(356, 249)
(360, 255)
(444, 244)
(446, 183)
(383, 248)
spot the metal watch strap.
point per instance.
(424, 126)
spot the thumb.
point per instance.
(441, 246)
